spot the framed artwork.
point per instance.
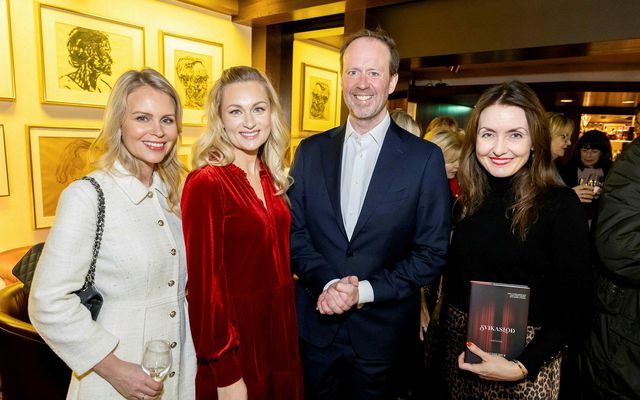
(185, 155)
(191, 65)
(58, 157)
(82, 56)
(319, 98)
(4, 175)
(7, 78)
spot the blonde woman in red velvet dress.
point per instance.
(236, 226)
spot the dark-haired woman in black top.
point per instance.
(520, 225)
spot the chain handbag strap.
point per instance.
(89, 280)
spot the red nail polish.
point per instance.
(468, 344)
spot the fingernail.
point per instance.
(468, 344)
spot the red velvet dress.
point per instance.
(240, 290)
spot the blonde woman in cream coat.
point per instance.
(141, 268)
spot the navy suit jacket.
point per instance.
(399, 242)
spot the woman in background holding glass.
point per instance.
(236, 225)
(140, 270)
(587, 169)
(521, 226)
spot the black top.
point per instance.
(553, 261)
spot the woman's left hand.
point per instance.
(492, 368)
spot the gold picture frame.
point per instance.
(191, 65)
(319, 98)
(4, 172)
(58, 156)
(81, 56)
(7, 75)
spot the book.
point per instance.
(498, 315)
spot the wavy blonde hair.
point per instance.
(449, 141)
(213, 147)
(109, 147)
(532, 181)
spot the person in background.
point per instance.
(442, 122)
(519, 225)
(370, 226)
(406, 122)
(561, 128)
(236, 224)
(610, 360)
(587, 169)
(141, 268)
(450, 142)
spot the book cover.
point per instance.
(498, 315)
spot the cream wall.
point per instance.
(16, 213)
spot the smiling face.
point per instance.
(366, 83)
(503, 142)
(246, 116)
(149, 129)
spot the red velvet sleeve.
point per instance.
(212, 319)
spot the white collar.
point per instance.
(378, 132)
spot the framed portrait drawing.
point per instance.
(191, 65)
(7, 78)
(58, 156)
(319, 98)
(4, 173)
(82, 56)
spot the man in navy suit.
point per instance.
(370, 226)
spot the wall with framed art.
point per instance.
(38, 98)
(316, 90)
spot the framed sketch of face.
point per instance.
(192, 66)
(319, 98)
(81, 56)
(58, 156)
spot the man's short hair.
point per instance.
(381, 35)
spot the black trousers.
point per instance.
(336, 372)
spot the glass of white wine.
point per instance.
(156, 360)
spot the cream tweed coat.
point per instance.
(141, 273)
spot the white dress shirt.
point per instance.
(359, 156)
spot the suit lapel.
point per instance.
(332, 167)
(383, 176)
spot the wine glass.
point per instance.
(156, 360)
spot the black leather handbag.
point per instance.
(88, 294)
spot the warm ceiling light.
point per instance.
(566, 101)
(628, 101)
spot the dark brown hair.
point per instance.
(533, 180)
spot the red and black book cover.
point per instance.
(498, 315)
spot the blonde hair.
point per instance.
(448, 140)
(213, 147)
(406, 122)
(560, 125)
(438, 123)
(109, 147)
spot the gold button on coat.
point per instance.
(173, 344)
(160, 222)
(150, 194)
(173, 252)
(171, 283)
(172, 314)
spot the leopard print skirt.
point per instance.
(466, 385)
